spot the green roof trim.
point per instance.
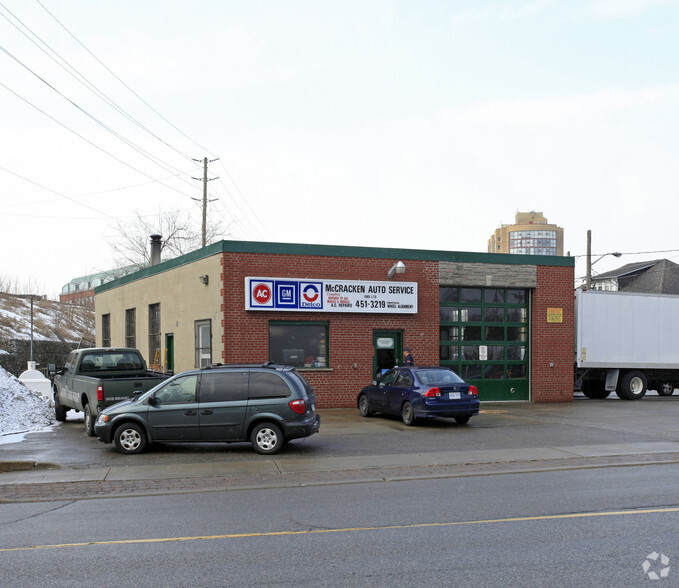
(263, 247)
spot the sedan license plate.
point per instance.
(454, 395)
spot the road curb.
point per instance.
(97, 489)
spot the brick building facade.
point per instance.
(504, 322)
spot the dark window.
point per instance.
(404, 380)
(494, 315)
(268, 385)
(154, 334)
(448, 314)
(388, 378)
(178, 391)
(450, 334)
(470, 294)
(223, 386)
(105, 330)
(299, 344)
(447, 294)
(131, 327)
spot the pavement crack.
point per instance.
(54, 508)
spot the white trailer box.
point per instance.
(627, 342)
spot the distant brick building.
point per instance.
(341, 314)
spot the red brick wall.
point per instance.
(350, 347)
(553, 344)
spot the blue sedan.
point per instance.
(420, 392)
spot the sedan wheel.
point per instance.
(408, 414)
(463, 420)
(364, 406)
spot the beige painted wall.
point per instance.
(183, 300)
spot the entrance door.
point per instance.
(387, 350)
(169, 352)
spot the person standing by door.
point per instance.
(407, 357)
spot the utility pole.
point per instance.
(205, 201)
(588, 279)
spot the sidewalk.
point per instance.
(23, 481)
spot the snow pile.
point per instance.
(21, 410)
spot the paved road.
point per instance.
(64, 463)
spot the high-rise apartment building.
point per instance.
(530, 234)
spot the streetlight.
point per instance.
(590, 263)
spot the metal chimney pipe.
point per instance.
(155, 249)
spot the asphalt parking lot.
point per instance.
(504, 437)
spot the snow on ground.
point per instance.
(21, 410)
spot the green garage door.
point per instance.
(484, 338)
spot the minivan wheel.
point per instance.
(89, 421)
(130, 438)
(267, 438)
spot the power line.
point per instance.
(73, 72)
(120, 80)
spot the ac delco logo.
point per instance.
(261, 294)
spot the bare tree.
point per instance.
(179, 236)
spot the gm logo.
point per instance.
(312, 296)
(286, 294)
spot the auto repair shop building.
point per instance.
(342, 314)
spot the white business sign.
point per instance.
(304, 295)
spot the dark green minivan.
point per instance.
(265, 404)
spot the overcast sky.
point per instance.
(415, 124)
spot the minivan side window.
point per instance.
(178, 390)
(223, 386)
(268, 385)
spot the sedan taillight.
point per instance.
(432, 393)
(299, 406)
(473, 391)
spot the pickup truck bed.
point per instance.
(96, 378)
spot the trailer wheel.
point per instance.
(665, 388)
(595, 389)
(632, 386)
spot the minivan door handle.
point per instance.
(191, 412)
(205, 412)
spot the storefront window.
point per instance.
(299, 344)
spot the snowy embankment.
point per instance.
(21, 410)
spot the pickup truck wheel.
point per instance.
(130, 438)
(666, 388)
(267, 438)
(89, 421)
(632, 386)
(59, 411)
